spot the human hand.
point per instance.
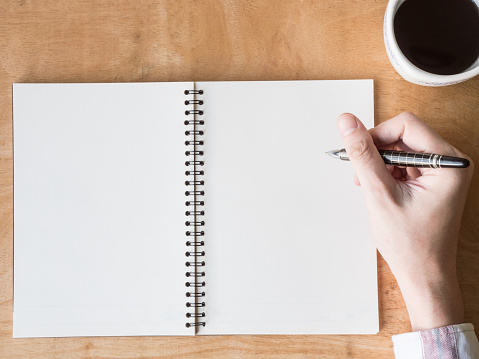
(415, 213)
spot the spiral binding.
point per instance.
(194, 223)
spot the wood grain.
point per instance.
(155, 40)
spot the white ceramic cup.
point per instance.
(409, 71)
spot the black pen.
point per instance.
(411, 159)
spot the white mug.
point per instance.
(409, 71)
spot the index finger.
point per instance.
(415, 134)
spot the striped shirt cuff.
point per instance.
(451, 342)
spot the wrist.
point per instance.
(433, 299)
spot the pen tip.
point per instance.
(333, 153)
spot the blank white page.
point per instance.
(99, 209)
(288, 249)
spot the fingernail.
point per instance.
(347, 124)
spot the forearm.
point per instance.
(433, 300)
(434, 307)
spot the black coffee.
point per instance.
(438, 36)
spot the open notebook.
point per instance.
(142, 209)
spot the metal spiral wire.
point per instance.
(194, 202)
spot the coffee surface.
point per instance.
(438, 36)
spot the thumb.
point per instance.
(364, 156)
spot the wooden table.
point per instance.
(155, 40)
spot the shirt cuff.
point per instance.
(451, 342)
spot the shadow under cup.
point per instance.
(433, 42)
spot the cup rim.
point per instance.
(409, 66)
